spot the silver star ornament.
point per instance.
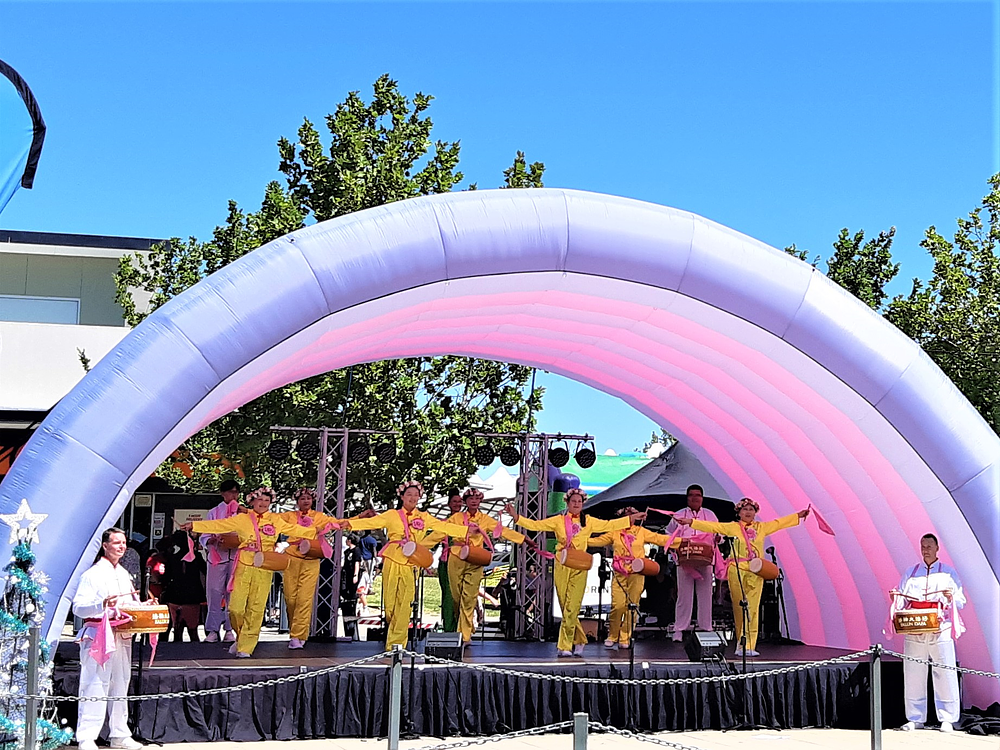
(18, 531)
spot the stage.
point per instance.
(445, 700)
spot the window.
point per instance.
(23, 309)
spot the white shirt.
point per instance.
(97, 583)
(686, 532)
(927, 582)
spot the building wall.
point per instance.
(90, 280)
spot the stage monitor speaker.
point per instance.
(704, 645)
(445, 646)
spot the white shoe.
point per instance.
(578, 649)
(125, 743)
(230, 636)
(610, 644)
(739, 651)
(86, 745)
(751, 652)
(295, 643)
(911, 725)
(232, 649)
(212, 637)
(242, 655)
(564, 653)
(946, 726)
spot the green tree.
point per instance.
(955, 316)
(863, 268)
(378, 153)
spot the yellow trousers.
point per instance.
(625, 590)
(247, 603)
(753, 585)
(398, 589)
(464, 580)
(570, 587)
(299, 580)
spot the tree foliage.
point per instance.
(377, 153)
(955, 316)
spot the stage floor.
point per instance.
(530, 687)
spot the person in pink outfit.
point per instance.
(220, 566)
(693, 581)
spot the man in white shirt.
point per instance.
(693, 581)
(220, 566)
(932, 581)
(104, 671)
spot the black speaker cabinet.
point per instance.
(704, 645)
(444, 646)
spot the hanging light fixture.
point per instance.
(307, 450)
(510, 456)
(559, 456)
(278, 450)
(359, 451)
(484, 454)
(385, 452)
(585, 456)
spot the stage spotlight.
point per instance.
(307, 450)
(278, 450)
(385, 452)
(358, 451)
(510, 456)
(484, 454)
(559, 456)
(585, 455)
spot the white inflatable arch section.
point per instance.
(788, 389)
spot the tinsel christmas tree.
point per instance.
(22, 607)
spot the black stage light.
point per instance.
(484, 454)
(559, 456)
(358, 451)
(307, 450)
(510, 456)
(385, 452)
(585, 455)
(704, 645)
(278, 450)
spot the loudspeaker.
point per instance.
(445, 646)
(703, 645)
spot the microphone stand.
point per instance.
(745, 609)
(780, 591)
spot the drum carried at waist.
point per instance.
(146, 618)
(764, 568)
(270, 560)
(695, 554)
(472, 554)
(417, 555)
(644, 566)
(311, 549)
(230, 540)
(575, 559)
(917, 619)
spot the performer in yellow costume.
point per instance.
(747, 536)
(626, 586)
(258, 531)
(299, 579)
(464, 578)
(573, 530)
(405, 524)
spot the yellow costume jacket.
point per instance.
(485, 522)
(741, 533)
(581, 539)
(269, 524)
(421, 525)
(641, 537)
(311, 519)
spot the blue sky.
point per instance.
(786, 121)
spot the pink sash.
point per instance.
(260, 548)
(622, 564)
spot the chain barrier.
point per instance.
(500, 737)
(206, 691)
(930, 662)
(640, 737)
(651, 681)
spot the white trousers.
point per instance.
(941, 649)
(109, 680)
(687, 585)
(216, 580)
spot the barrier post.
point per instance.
(876, 697)
(395, 696)
(580, 731)
(31, 704)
